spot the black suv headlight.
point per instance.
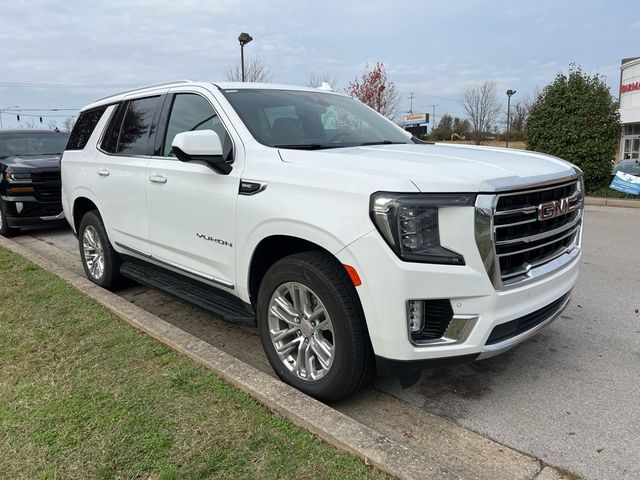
(409, 224)
(17, 176)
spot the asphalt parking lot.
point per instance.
(568, 396)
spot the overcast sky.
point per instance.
(431, 48)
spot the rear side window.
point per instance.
(83, 128)
(132, 128)
(138, 126)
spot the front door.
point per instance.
(191, 208)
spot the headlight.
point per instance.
(18, 176)
(409, 224)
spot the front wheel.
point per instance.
(312, 326)
(5, 229)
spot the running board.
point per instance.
(218, 302)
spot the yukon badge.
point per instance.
(216, 240)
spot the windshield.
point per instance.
(632, 168)
(310, 120)
(24, 145)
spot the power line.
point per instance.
(67, 85)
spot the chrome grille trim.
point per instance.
(527, 251)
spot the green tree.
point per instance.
(444, 129)
(576, 118)
(461, 127)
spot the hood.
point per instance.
(441, 167)
(32, 162)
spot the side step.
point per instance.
(221, 304)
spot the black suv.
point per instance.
(30, 187)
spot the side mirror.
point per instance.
(201, 145)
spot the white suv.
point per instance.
(351, 245)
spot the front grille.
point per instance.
(525, 234)
(522, 240)
(520, 325)
(47, 185)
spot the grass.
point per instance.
(83, 395)
(609, 193)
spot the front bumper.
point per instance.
(388, 283)
(30, 212)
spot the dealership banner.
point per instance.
(623, 182)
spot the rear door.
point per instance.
(191, 208)
(120, 173)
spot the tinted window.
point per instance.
(137, 127)
(192, 112)
(312, 119)
(83, 128)
(110, 140)
(32, 144)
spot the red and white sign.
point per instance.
(629, 87)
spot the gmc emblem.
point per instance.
(556, 208)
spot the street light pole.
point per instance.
(509, 93)
(243, 38)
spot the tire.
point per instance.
(5, 229)
(324, 345)
(100, 261)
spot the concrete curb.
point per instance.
(612, 202)
(330, 425)
(337, 429)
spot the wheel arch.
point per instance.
(82, 205)
(271, 249)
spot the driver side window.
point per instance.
(191, 112)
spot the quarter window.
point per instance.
(191, 112)
(84, 127)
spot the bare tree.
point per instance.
(254, 71)
(68, 124)
(482, 106)
(52, 124)
(375, 89)
(29, 123)
(315, 80)
(520, 113)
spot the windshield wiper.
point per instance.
(308, 146)
(381, 142)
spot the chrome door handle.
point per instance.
(157, 179)
(103, 173)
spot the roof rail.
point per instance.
(145, 87)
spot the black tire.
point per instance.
(111, 279)
(353, 364)
(5, 229)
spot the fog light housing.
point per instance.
(428, 320)
(415, 315)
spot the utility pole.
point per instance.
(433, 120)
(411, 96)
(509, 93)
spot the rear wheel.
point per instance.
(5, 229)
(100, 261)
(312, 326)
